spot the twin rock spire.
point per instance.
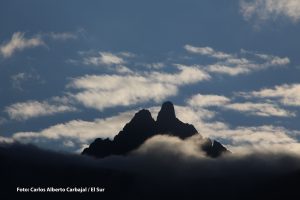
(142, 127)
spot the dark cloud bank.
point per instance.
(164, 166)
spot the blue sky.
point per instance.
(72, 71)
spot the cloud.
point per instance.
(104, 91)
(270, 9)
(207, 51)
(186, 75)
(184, 148)
(18, 42)
(200, 100)
(287, 94)
(260, 109)
(239, 66)
(103, 58)
(32, 109)
(268, 138)
(112, 62)
(223, 69)
(243, 62)
(6, 140)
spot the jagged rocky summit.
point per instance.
(142, 127)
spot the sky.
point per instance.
(73, 71)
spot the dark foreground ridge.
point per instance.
(142, 127)
(149, 176)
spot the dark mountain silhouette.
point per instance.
(142, 127)
(257, 176)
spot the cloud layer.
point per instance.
(104, 91)
(243, 62)
(287, 94)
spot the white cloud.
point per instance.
(236, 64)
(200, 100)
(261, 138)
(187, 148)
(260, 109)
(6, 140)
(186, 75)
(207, 51)
(287, 94)
(112, 62)
(273, 60)
(105, 91)
(103, 58)
(270, 9)
(31, 109)
(18, 42)
(223, 69)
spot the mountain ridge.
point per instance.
(142, 127)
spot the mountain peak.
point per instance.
(166, 113)
(167, 123)
(142, 115)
